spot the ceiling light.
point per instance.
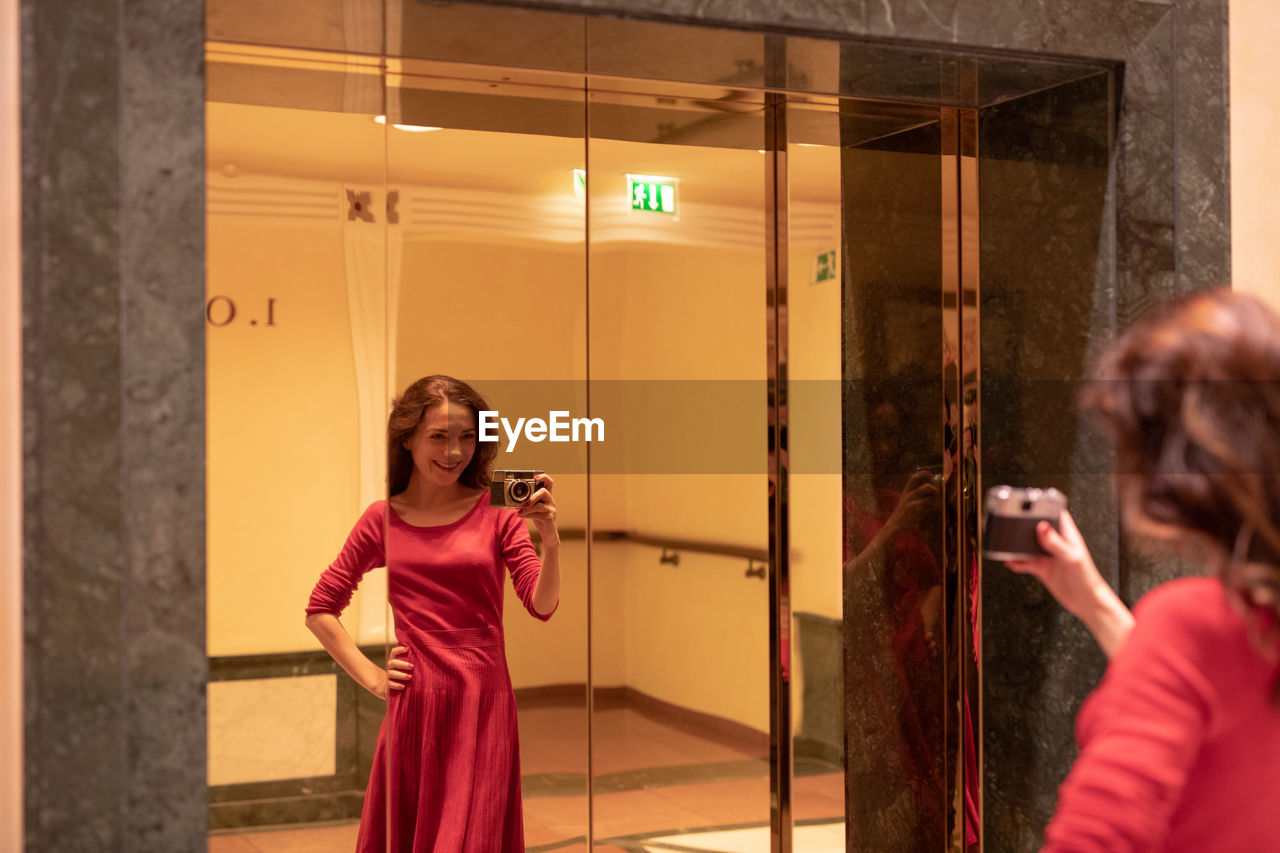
(407, 128)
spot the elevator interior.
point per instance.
(757, 258)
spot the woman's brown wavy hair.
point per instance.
(1192, 399)
(408, 410)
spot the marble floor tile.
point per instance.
(330, 838)
(820, 796)
(637, 813)
(821, 838)
(231, 844)
(564, 816)
(725, 802)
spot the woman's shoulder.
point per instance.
(1193, 599)
(485, 509)
(1194, 611)
(374, 514)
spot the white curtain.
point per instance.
(373, 251)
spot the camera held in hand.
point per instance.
(1012, 516)
(513, 488)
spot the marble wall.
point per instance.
(1048, 302)
(113, 291)
(113, 423)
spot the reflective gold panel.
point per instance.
(680, 717)
(296, 393)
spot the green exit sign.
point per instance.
(652, 194)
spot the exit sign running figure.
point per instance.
(655, 195)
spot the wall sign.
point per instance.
(824, 267)
(652, 194)
(221, 311)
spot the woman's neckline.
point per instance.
(396, 515)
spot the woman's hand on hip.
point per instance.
(396, 676)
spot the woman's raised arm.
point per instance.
(1068, 572)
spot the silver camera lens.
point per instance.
(520, 490)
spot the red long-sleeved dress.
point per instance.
(1180, 743)
(447, 761)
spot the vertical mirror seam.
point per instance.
(781, 768)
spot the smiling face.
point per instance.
(443, 444)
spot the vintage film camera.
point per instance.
(1012, 516)
(512, 488)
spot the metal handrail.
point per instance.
(668, 543)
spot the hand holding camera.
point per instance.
(1067, 570)
(1032, 532)
(920, 493)
(529, 491)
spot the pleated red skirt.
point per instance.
(446, 770)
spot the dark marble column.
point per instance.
(113, 408)
(1048, 303)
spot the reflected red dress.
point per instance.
(447, 762)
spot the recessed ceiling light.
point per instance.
(407, 128)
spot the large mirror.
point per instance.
(680, 718)
(814, 415)
(297, 386)
(751, 260)
(488, 285)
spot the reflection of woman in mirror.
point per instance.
(894, 584)
(447, 759)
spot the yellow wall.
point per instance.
(817, 581)
(11, 814)
(1255, 170)
(282, 438)
(696, 634)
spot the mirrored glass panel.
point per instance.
(485, 262)
(813, 219)
(617, 232)
(900, 462)
(296, 383)
(679, 497)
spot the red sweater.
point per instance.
(1180, 743)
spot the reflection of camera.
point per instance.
(1012, 516)
(512, 488)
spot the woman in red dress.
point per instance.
(1180, 743)
(446, 770)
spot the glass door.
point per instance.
(296, 219)
(679, 495)
(764, 294)
(487, 284)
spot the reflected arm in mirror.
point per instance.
(541, 510)
(338, 643)
(1068, 572)
(363, 550)
(921, 492)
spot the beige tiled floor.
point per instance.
(310, 839)
(553, 741)
(820, 838)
